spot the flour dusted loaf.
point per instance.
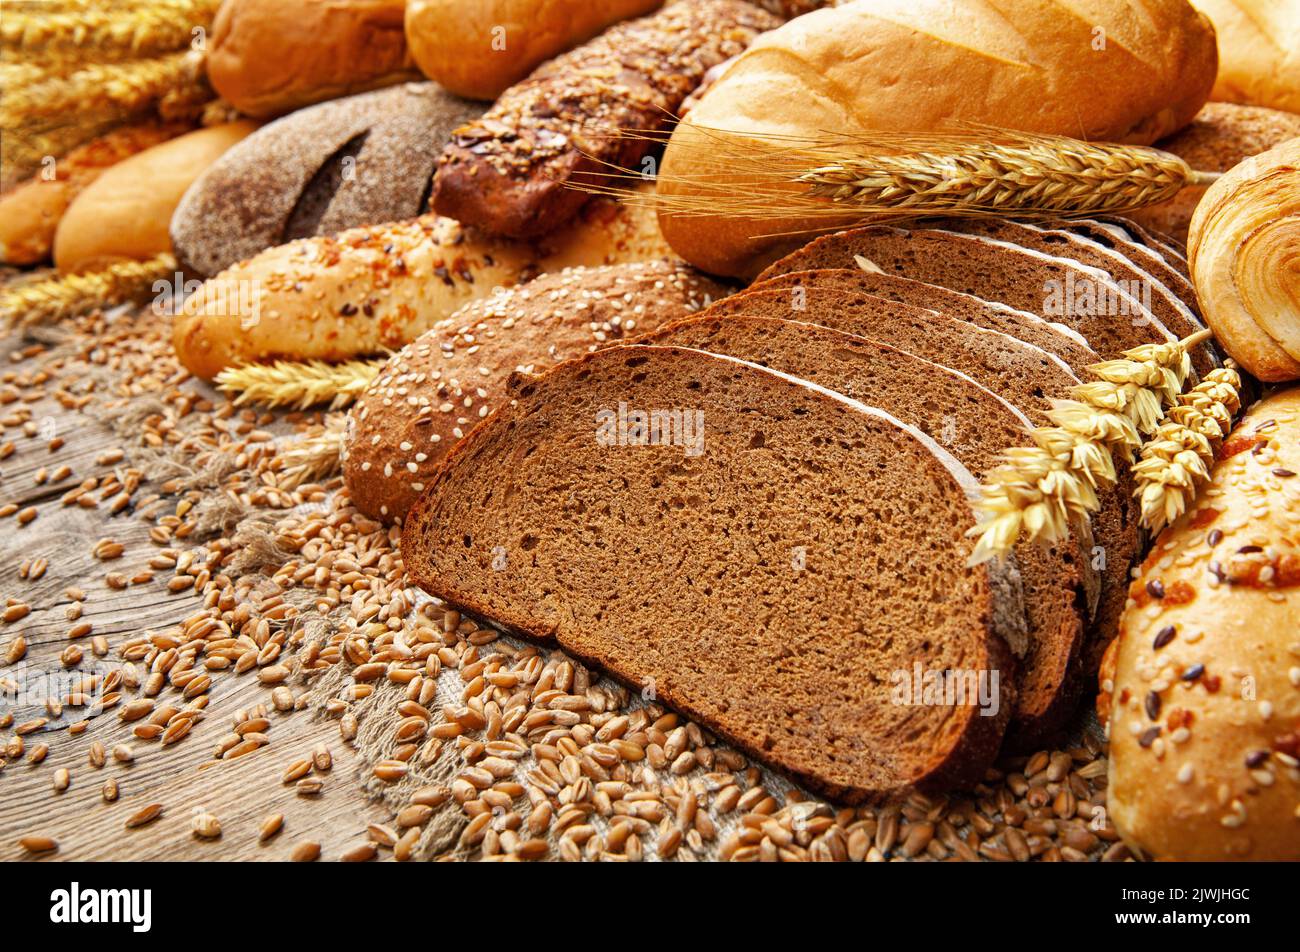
(509, 172)
(362, 160)
(479, 48)
(437, 388)
(1222, 135)
(776, 576)
(922, 65)
(1205, 676)
(371, 289)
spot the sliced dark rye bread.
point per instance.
(996, 271)
(1144, 286)
(1018, 372)
(435, 389)
(778, 586)
(1125, 243)
(972, 423)
(1174, 253)
(1053, 338)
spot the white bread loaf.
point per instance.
(918, 65)
(372, 289)
(1205, 674)
(479, 48)
(124, 214)
(1244, 250)
(1259, 51)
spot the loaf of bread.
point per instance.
(773, 559)
(30, 213)
(1204, 680)
(1221, 135)
(1259, 51)
(373, 289)
(918, 65)
(269, 57)
(509, 173)
(479, 48)
(435, 389)
(124, 213)
(362, 160)
(1244, 247)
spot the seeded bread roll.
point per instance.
(509, 172)
(479, 48)
(371, 289)
(269, 57)
(1221, 136)
(363, 160)
(1259, 51)
(683, 574)
(1204, 679)
(435, 389)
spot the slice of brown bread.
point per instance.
(1053, 338)
(972, 423)
(1052, 287)
(1144, 286)
(435, 389)
(1172, 250)
(1124, 242)
(1018, 372)
(780, 575)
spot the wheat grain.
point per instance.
(47, 301)
(104, 35)
(299, 384)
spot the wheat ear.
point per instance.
(43, 302)
(313, 457)
(1176, 461)
(1040, 492)
(95, 34)
(300, 384)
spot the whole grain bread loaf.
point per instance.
(363, 160)
(972, 423)
(435, 389)
(1025, 376)
(577, 115)
(780, 573)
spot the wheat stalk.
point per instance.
(1176, 461)
(44, 302)
(300, 384)
(96, 34)
(314, 457)
(1039, 492)
(985, 172)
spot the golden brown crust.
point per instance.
(1205, 709)
(479, 48)
(268, 57)
(1259, 51)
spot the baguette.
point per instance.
(509, 172)
(1203, 684)
(30, 213)
(436, 388)
(479, 48)
(373, 289)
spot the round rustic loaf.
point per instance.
(1221, 135)
(917, 65)
(1204, 679)
(1244, 248)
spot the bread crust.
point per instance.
(1205, 687)
(269, 57)
(373, 289)
(918, 65)
(1259, 51)
(479, 48)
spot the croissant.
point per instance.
(1244, 249)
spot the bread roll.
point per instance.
(479, 48)
(30, 213)
(268, 57)
(1244, 249)
(1221, 135)
(125, 212)
(360, 160)
(1259, 51)
(371, 289)
(1205, 675)
(917, 65)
